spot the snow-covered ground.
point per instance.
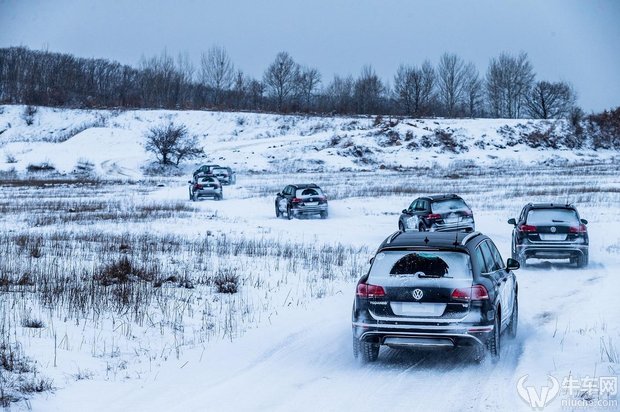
(283, 341)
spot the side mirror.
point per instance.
(512, 221)
(279, 194)
(584, 221)
(189, 181)
(512, 264)
(405, 211)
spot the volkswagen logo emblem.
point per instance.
(553, 229)
(417, 294)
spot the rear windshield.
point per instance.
(541, 217)
(426, 264)
(206, 180)
(448, 205)
(220, 171)
(309, 191)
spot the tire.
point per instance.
(356, 348)
(582, 260)
(219, 197)
(190, 195)
(514, 320)
(324, 215)
(195, 197)
(421, 228)
(369, 351)
(278, 213)
(289, 213)
(493, 343)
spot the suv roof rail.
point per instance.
(393, 236)
(469, 236)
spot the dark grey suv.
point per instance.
(550, 231)
(439, 213)
(441, 290)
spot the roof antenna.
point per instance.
(456, 233)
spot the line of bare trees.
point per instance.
(453, 87)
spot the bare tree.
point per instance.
(171, 144)
(339, 94)
(508, 82)
(413, 87)
(217, 72)
(451, 82)
(472, 89)
(308, 82)
(279, 79)
(548, 100)
(368, 91)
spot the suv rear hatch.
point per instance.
(421, 285)
(451, 211)
(552, 225)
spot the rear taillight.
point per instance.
(296, 200)
(216, 186)
(367, 291)
(434, 216)
(197, 187)
(468, 213)
(323, 198)
(527, 228)
(476, 292)
(578, 229)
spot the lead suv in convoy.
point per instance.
(301, 200)
(435, 290)
(437, 213)
(225, 175)
(550, 231)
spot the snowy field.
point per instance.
(165, 338)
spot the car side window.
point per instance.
(425, 205)
(413, 204)
(419, 205)
(497, 257)
(480, 260)
(488, 258)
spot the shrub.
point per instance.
(226, 281)
(121, 271)
(28, 114)
(172, 143)
(41, 167)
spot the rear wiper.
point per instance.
(434, 277)
(558, 221)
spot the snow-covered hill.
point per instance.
(113, 141)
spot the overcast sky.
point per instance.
(573, 40)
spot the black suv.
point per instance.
(437, 213)
(439, 290)
(550, 231)
(225, 175)
(301, 199)
(205, 170)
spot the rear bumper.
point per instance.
(549, 250)
(468, 226)
(423, 336)
(208, 193)
(309, 210)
